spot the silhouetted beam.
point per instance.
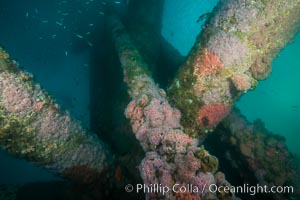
(255, 152)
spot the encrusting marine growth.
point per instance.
(226, 61)
(172, 157)
(235, 50)
(32, 126)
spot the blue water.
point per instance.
(276, 100)
(42, 37)
(179, 25)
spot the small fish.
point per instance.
(76, 81)
(101, 13)
(66, 53)
(45, 21)
(65, 14)
(294, 108)
(53, 36)
(91, 24)
(117, 2)
(58, 23)
(40, 38)
(85, 66)
(79, 36)
(36, 11)
(88, 33)
(103, 3)
(90, 44)
(203, 17)
(27, 14)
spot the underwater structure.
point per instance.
(235, 49)
(33, 127)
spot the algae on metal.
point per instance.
(275, 24)
(39, 131)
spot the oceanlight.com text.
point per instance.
(213, 188)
